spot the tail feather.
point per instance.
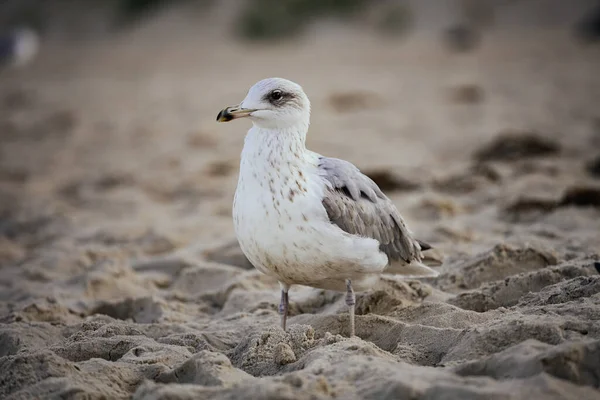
(429, 258)
(413, 270)
(424, 246)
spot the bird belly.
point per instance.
(293, 240)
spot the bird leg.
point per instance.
(350, 302)
(283, 306)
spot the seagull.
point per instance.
(307, 219)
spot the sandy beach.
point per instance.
(120, 274)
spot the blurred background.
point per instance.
(475, 116)
(118, 260)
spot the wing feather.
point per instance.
(358, 206)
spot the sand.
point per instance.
(120, 275)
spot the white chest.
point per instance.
(277, 208)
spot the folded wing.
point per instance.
(358, 206)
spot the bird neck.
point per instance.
(275, 146)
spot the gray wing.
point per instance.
(356, 204)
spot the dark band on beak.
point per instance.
(234, 112)
(224, 116)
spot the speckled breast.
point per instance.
(278, 228)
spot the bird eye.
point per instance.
(276, 95)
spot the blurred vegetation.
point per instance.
(254, 20)
(395, 19)
(133, 9)
(588, 29)
(264, 19)
(269, 19)
(19, 14)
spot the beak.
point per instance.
(234, 112)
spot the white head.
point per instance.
(272, 103)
